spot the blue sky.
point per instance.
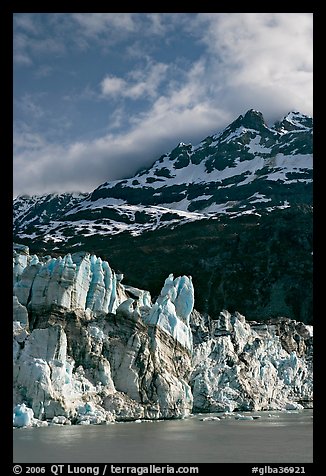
(97, 96)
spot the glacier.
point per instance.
(78, 281)
(242, 366)
(88, 349)
(172, 309)
(82, 337)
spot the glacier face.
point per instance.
(172, 309)
(88, 349)
(239, 365)
(83, 338)
(78, 281)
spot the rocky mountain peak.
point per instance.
(294, 121)
(251, 120)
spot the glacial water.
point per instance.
(280, 437)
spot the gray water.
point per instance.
(281, 438)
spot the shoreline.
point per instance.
(202, 416)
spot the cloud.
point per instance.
(112, 85)
(170, 119)
(85, 94)
(26, 22)
(84, 165)
(95, 24)
(43, 71)
(142, 82)
(20, 49)
(264, 58)
(31, 39)
(21, 58)
(28, 105)
(37, 34)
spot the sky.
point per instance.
(99, 96)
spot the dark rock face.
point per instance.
(261, 266)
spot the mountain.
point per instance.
(243, 168)
(234, 212)
(90, 349)
(246, 168)
(39, 211)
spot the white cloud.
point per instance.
(26, 22)
(139, 83)
(29, 143)
(43, 71)
(94, 24)
(31, 39)
(112, 85)
(264, 57)
(174, 117)
(37, 34)
(20, 47)
(21, 58)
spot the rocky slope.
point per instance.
(261, 266)
(88, 349)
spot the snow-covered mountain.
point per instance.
(246, 168)
(237, 169)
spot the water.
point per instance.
(281, 438)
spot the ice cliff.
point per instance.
(239, 365)
(89, 349)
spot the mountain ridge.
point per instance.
(238, 170)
